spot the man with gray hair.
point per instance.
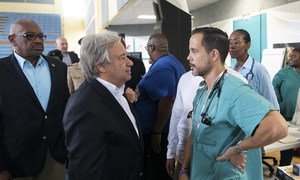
(103, 136)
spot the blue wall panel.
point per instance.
(257, 28)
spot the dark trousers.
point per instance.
(286, 157)
(155, 163)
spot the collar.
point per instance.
(203, 84)
(159, 58)
(247, 64)
(111, 87)
(22, 61)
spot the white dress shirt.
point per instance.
(180, 127)
(118, 94)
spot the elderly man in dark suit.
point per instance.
(69, 57)
(102, 131)
(33, 95)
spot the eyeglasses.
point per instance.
(149, 46)
(236, 42)
(32, 37)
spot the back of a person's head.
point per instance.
(56, 54)
(214, 38)
(94, 51)
(246, 35)
(161, 42)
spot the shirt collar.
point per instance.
(22, 61)
(111, 87)
(246, 65)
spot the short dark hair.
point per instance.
(161, 42)
(214, 38)
(246, 35)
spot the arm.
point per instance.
(4, 174)
(266, 88)
(85, 141)
(272, 128)
(187, 158)
(177, 112)
(163, 113)
(277, 84)
(70, 81)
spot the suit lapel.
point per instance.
(114, 105)
(17, 72)
(52, 97)
(136, 118)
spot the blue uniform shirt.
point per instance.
(160, 81)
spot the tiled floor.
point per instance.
(296, 160)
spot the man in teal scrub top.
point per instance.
(228, 117)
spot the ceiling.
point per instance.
(128, 14)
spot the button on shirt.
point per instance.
(38, 77)
(118, 94)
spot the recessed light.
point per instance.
(146, 17)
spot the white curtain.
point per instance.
(283, 24)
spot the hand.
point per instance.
(130, 94)
(155, 142)
(183, 177)
(170, 165)
(236, 159)
(5, 175)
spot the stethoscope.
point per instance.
(217, 87)
(250, 73)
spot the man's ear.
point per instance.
(11, 39)
(214, 54)
(152, 48)
(101, 68)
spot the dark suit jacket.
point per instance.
(74, 57)
(100, 137)
(26, 130)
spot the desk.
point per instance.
(278, 146)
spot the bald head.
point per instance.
(19, 24)
(157, 46)
(62, 44)
(27, 39)
(160, 42)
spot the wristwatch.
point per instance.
(238, 149)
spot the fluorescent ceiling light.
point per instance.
(72, 8)
(146, 17)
